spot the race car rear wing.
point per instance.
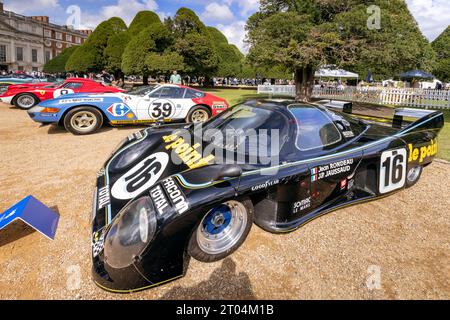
(401, 113)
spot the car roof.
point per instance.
(81, 80)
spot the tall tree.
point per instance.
(155, 38)
(441, 46)
(194, 43)
(305, 34)
(91, 55)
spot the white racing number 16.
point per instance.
(392, 170)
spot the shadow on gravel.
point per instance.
(224, 283)
(15, 231)
(54, 129)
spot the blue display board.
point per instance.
(35, 214)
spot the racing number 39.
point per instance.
(161, 110)
(392, 170)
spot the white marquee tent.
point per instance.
(335, 73)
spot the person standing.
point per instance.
(175, 78)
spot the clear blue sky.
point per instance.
(227, 15)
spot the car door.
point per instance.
(332, 162)
(162, 104)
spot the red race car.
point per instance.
(25, 96)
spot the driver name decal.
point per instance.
(331, 169)
(143, 176)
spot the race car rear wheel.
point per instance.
(222, 231)
(83, 120)
(413, 176)
(198, 114)
(25, 101)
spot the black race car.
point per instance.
(172, 192)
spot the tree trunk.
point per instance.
(304, 83)
(145, 79)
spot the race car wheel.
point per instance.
(83, 120)
(25, 101)
(413, 176)
(198, 114)
(222, 230)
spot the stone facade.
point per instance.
(27, 43)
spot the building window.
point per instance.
(69, 38)
(48, 56)
(78, 40)
(47, 33)
(58, 36)
(2, 53)
(34, 55)
(19, 53)
(35, 69)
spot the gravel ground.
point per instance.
(404, 239)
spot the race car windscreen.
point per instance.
(315, 128)
(142, 90)
(248, 130)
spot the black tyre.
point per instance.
(25, 101)
(222, 231)
(198, 114)
(83, 120)
(413, 175)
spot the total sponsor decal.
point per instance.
(189, 155)
(265, 185)
(141, 177)
(331, 169)
(176, 195)
(78, 100)
(118, 109)
(103, 197)
(423, 152)
(159, 199)
(301, 205)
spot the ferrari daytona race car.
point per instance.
(167, 195)
(25, 96)
(85, 113)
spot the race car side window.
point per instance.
(315, 128)
(193, 94)
(172, 92)
(73, 85)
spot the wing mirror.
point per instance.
(229, 171)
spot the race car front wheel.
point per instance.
(198, 114)
(413, 176)
(222, 231)
(83, 120)
(25, 101)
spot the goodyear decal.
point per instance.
(423, 152)
(189, 155)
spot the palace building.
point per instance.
(27, 43)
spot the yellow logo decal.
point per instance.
(42, 92)
(189, 155)
(423, 152)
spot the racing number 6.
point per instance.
(392, 170)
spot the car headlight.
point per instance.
(130, 233)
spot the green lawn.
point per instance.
(234, 96)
